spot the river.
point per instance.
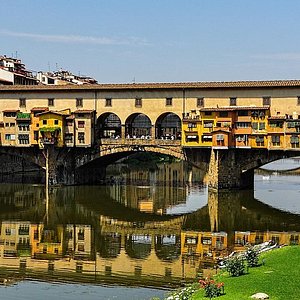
(137, 237)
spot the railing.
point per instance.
(140, 142)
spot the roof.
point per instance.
(175, 85)
(40, 108)
(234, 108)
(51, 112)
(277, 118)
(83, 111)
(10, 110)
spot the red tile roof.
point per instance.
(234, 108)
(40, 109)
(175, 85)
(83, 111)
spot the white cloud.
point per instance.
(75, 38)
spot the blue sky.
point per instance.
(156, 41)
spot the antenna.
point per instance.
(133, 80)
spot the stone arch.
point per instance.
(138, 246)
(167, 247)
(110, 245)
(168, 125)
(138, 125)
(108, 125)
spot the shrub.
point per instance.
(185, 293)
(252, 257)
(235, 266)
(212, 288)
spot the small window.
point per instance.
(22, 102)
(81, 137)
(80, 124)
(50, 102)
(200, 102)
(232, 101)
(108, 102)
(169, 101)
(44, 122)
(138, 102)
(266, 100)
(223, 114)
(55, 122)
(79, 102)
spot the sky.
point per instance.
(125, 41)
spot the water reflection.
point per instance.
(126, 235)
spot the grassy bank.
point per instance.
(279, 277)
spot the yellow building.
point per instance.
(51, 128)
(35, 123)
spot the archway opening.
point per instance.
(108, 126)
(138, 126)
(168, 126)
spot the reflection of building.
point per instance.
(244, 238)
(15, 239)
(78, 240)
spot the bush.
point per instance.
(185, 293)
(235, 266)
(211, 288)
(252, 257)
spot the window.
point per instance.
(22, 102)
(208, 124)
(69, 138)
(275, 140)
(242, 124)
(55, 122)
(79, 102)
(220, 137)
(192, 125)
(259, 141)
(80, 124)
(266, 100)
(262, 125)
(50, 102)
(223, 114)
(200, 102)
(81, 137)
(298, 100)
(108, 102)
(36, 135)
(169, 102)
(295, 141)
(10, 137)
(242, 113)
(69, 123)
(254, 125)
(23, 138)
(232, 101)
(138, 102)
(207, 113)
(44, 122)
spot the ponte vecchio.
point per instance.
(226, 128)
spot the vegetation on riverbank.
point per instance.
(278, 277)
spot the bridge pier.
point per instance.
(225, 171)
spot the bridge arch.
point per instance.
(168, 125)
(109, 125)
(138, 246)
(138, 125)
(167, 247)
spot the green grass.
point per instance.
(279, 277)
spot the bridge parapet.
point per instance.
(168, 147)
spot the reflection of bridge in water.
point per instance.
(100, 240)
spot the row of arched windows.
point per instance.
(138, 125)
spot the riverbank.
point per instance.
(278, 277)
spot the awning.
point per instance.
(49, 129)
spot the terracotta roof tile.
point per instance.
(235, 108)
(175, 85)
(40, 109)
(83, 111)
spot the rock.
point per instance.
(260, 296)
